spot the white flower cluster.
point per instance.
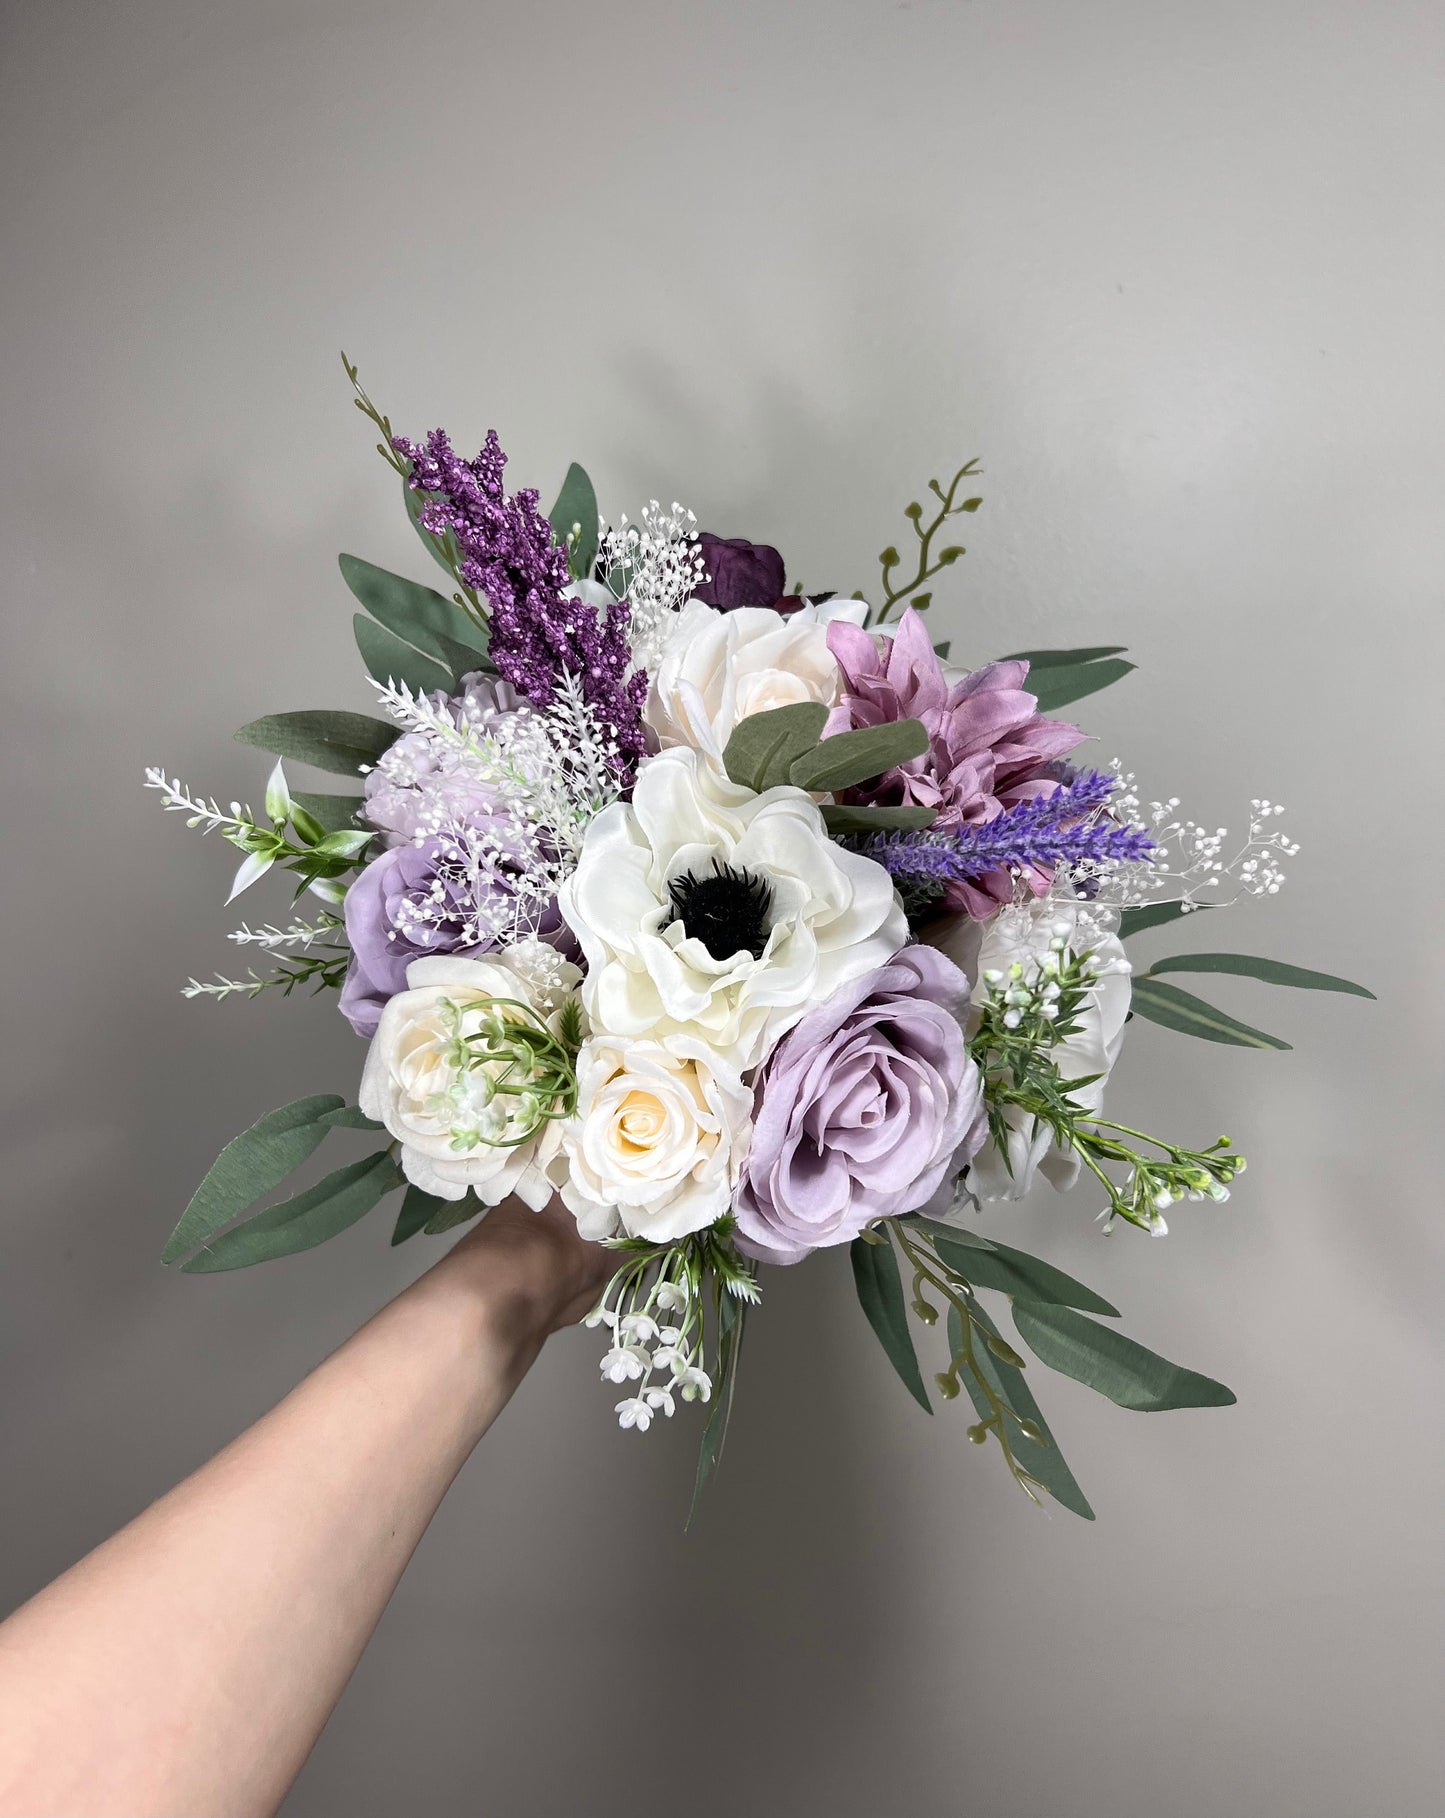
(665, 1315)
(655, 565)
(1192, 864)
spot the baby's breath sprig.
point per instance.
(1025, 1014)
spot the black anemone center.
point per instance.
(727, 910)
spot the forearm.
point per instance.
(189, 1664)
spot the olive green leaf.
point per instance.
(858, 756)
(1116, 1366)
(1246, 965)
(880, 1294)
(303, 1221)
(1181, 1011)
(763, 747)
(341, 742)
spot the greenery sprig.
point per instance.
(928, 564)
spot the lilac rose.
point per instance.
(867, 1109)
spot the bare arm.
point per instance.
(188, 1665)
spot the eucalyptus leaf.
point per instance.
(941, 650)
(341, 742)
(1104, 1359)
(1181, 1011)
(763, 746)
(880, 1294)
(418, 615)
(1153, 915)
(1025, 1277)
(846, 817)
(414, 501)
(465, 659)
(1246, 965)
(955, 1234)
(350, 1117)
(332, 813)
(1057, 687)
(389, 659)
(249, 1166)
(1043, 1461)
(1064, 659)
(450, 1213)
(417, 1211)
(732, 1316)
(303, 1221)
(858, 756)
(577, 504)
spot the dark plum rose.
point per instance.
(868, 1108)
(740, 573)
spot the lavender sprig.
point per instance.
(508, 555)
(1065, 829)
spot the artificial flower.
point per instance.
(709, 914)
(868, 1108)
(740, 573)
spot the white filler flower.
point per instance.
(712, 914)
(1023, 935)
(655, 1147)
(432, 1071)
(719, 667)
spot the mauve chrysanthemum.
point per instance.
(989, 746)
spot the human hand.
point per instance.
(538, 1257)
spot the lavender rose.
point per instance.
(867, 1109)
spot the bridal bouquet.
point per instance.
(743, 920)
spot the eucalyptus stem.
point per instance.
(928, 565)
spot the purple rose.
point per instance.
(398, 909)
(741, 573)
(867, 1109)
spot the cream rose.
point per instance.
(808, 916)
(657, 1141)
(719, 667)
(1023, 935)
(431, 1075)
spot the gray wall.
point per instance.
(1175, 273)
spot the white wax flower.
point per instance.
(1022, 935)
(655, 1146)
(719, 667)
(413, 1082)
(832, 915)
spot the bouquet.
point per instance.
(745, 921)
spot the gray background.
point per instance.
(1175, 273)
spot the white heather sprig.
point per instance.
(295, 934)
(656, 565)
(1192, 865)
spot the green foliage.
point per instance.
(417, 1211)
(841, 818)
(1063, 659)
(1055, 688)
(574, 521)
(857, 757)
(1246, 965)
(350, 1117)
(880, 1294)
(1153, 915)
(249, 1166)
(331, 813)
(344, 743)
(1116, 1366)
(1014, 1272)
(388, 659)
(1181, 1011)
(731, 1315)
(763, 746)
(450, 1213)
(303, 1221)
(417, 615)
(927, 564)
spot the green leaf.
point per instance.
(350, 1117)
(941, 650)
(465, 659)
(880, 1294)
(1246, 965)
(1181, 1011)
(1012, 1272)
(1063, 659)
(844, 817)
(304, 1220)
(340, 742)
(249, 1166)
(389, 659)
(577, 504)
(1042, 1461)
(858, 756)
(418, 615)
(732, 1315)
(332, 813)
(1153, 915)
(957, 1234)
(417, 1211)
(763, 747)
(450, 1213)
(1057, 687)
(1116, 1366)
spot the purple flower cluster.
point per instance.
(1062, 829)
(538, 625)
